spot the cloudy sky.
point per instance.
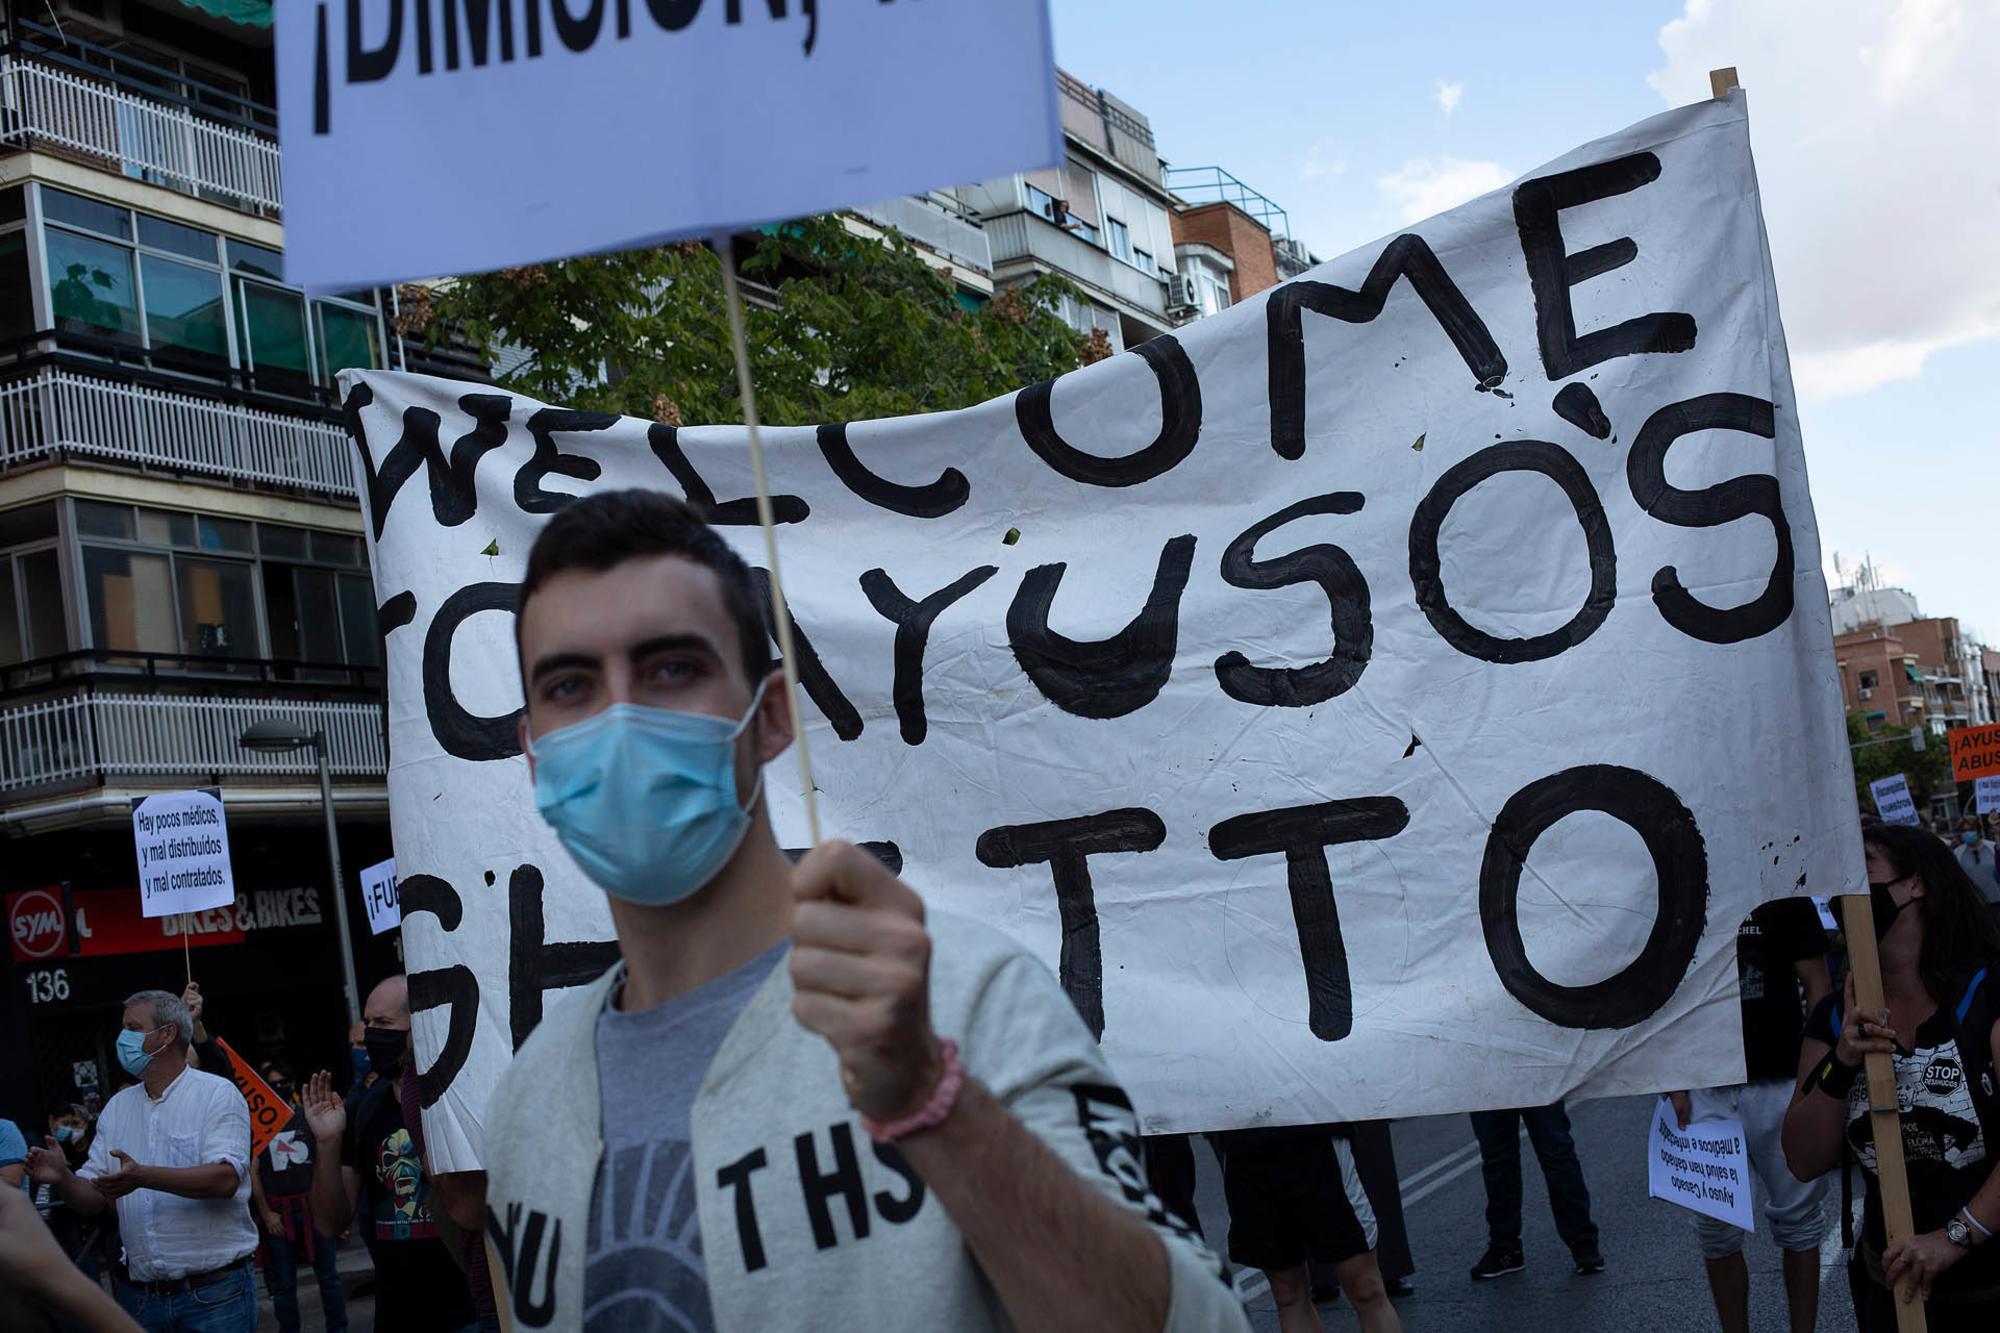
(1873, 124)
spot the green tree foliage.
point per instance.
(859, 329)
(1928, 769)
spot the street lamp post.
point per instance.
(279, 737)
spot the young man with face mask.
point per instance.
(69, 1130)
(172, 1155)
(368, 1166)
(800, 1101)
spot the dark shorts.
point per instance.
(1294, 1199)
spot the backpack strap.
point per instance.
(1974, 1017)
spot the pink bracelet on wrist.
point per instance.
(943, 1097)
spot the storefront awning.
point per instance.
(249, 13)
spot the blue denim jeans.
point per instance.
(281, 1275)
(227, 1306)
(1500, 1160)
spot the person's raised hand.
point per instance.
(1683, 1108)
(326, 1114)
(129, 1176)
(861, 976)
(1864, 1032)
(47, 1165)
(191, 997)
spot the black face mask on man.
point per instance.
(385, 1049)
(1883, 906)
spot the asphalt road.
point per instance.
(1653, 1279)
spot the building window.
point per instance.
(135, 280)
(184, 315)
(32, 623)
(1041, 201)
(1868, 679)
(91, 287)
(1144, 262)
(1119, 239)
(172, 583)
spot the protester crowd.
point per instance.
(782, 1025)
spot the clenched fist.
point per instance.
(861, 972)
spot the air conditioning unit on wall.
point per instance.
(1181, 293)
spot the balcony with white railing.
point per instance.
(91, 739)
(56, 412)
(1027, 235)
(45, 106)
(937, 226)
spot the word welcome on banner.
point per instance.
(1425, 659)
(1704, 1167)
(708, 116)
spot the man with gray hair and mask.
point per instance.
(172, 1155)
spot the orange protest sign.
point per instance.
(269, 1112)
(1975, 752)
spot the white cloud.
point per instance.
(1423, 186)
(1449, 95)
(1322, 163)
(1872, 127)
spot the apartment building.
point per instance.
(1102, 219)
(1230, 242)
(181, 552)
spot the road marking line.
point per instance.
(1449, 1160)
(1470, 1159)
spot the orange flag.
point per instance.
(269, 1112)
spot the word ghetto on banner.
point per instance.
(1427, 658)
(708, 116)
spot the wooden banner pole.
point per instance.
(1857, 919)
(780, 614)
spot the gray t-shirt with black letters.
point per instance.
(643, 1267)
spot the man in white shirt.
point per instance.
(172, 1154)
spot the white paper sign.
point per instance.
(1986, 794)
(378, 894)
(1317, 765)
(1893, 801)
(1704, 1167)
(519, 132)
(182, 842)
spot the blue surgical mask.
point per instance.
(357, 1058)
(68, 1133)
(1968, 837)
(132, 1052)
(644, 799)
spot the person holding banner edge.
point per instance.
(1940, 955)
(770, 1041)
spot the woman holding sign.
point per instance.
(1941, 993)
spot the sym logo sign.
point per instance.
(35, 925)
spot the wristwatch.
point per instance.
(1958, 1233)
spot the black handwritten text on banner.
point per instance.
(1427, 658)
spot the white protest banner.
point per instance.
(182, 841)
(1986, 795)
(1704, 1167)
(1893, 801)
(1426, 658)
(378, 894)
(509, 132)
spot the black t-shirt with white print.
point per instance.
(1944, 1149)
(1769, 944)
